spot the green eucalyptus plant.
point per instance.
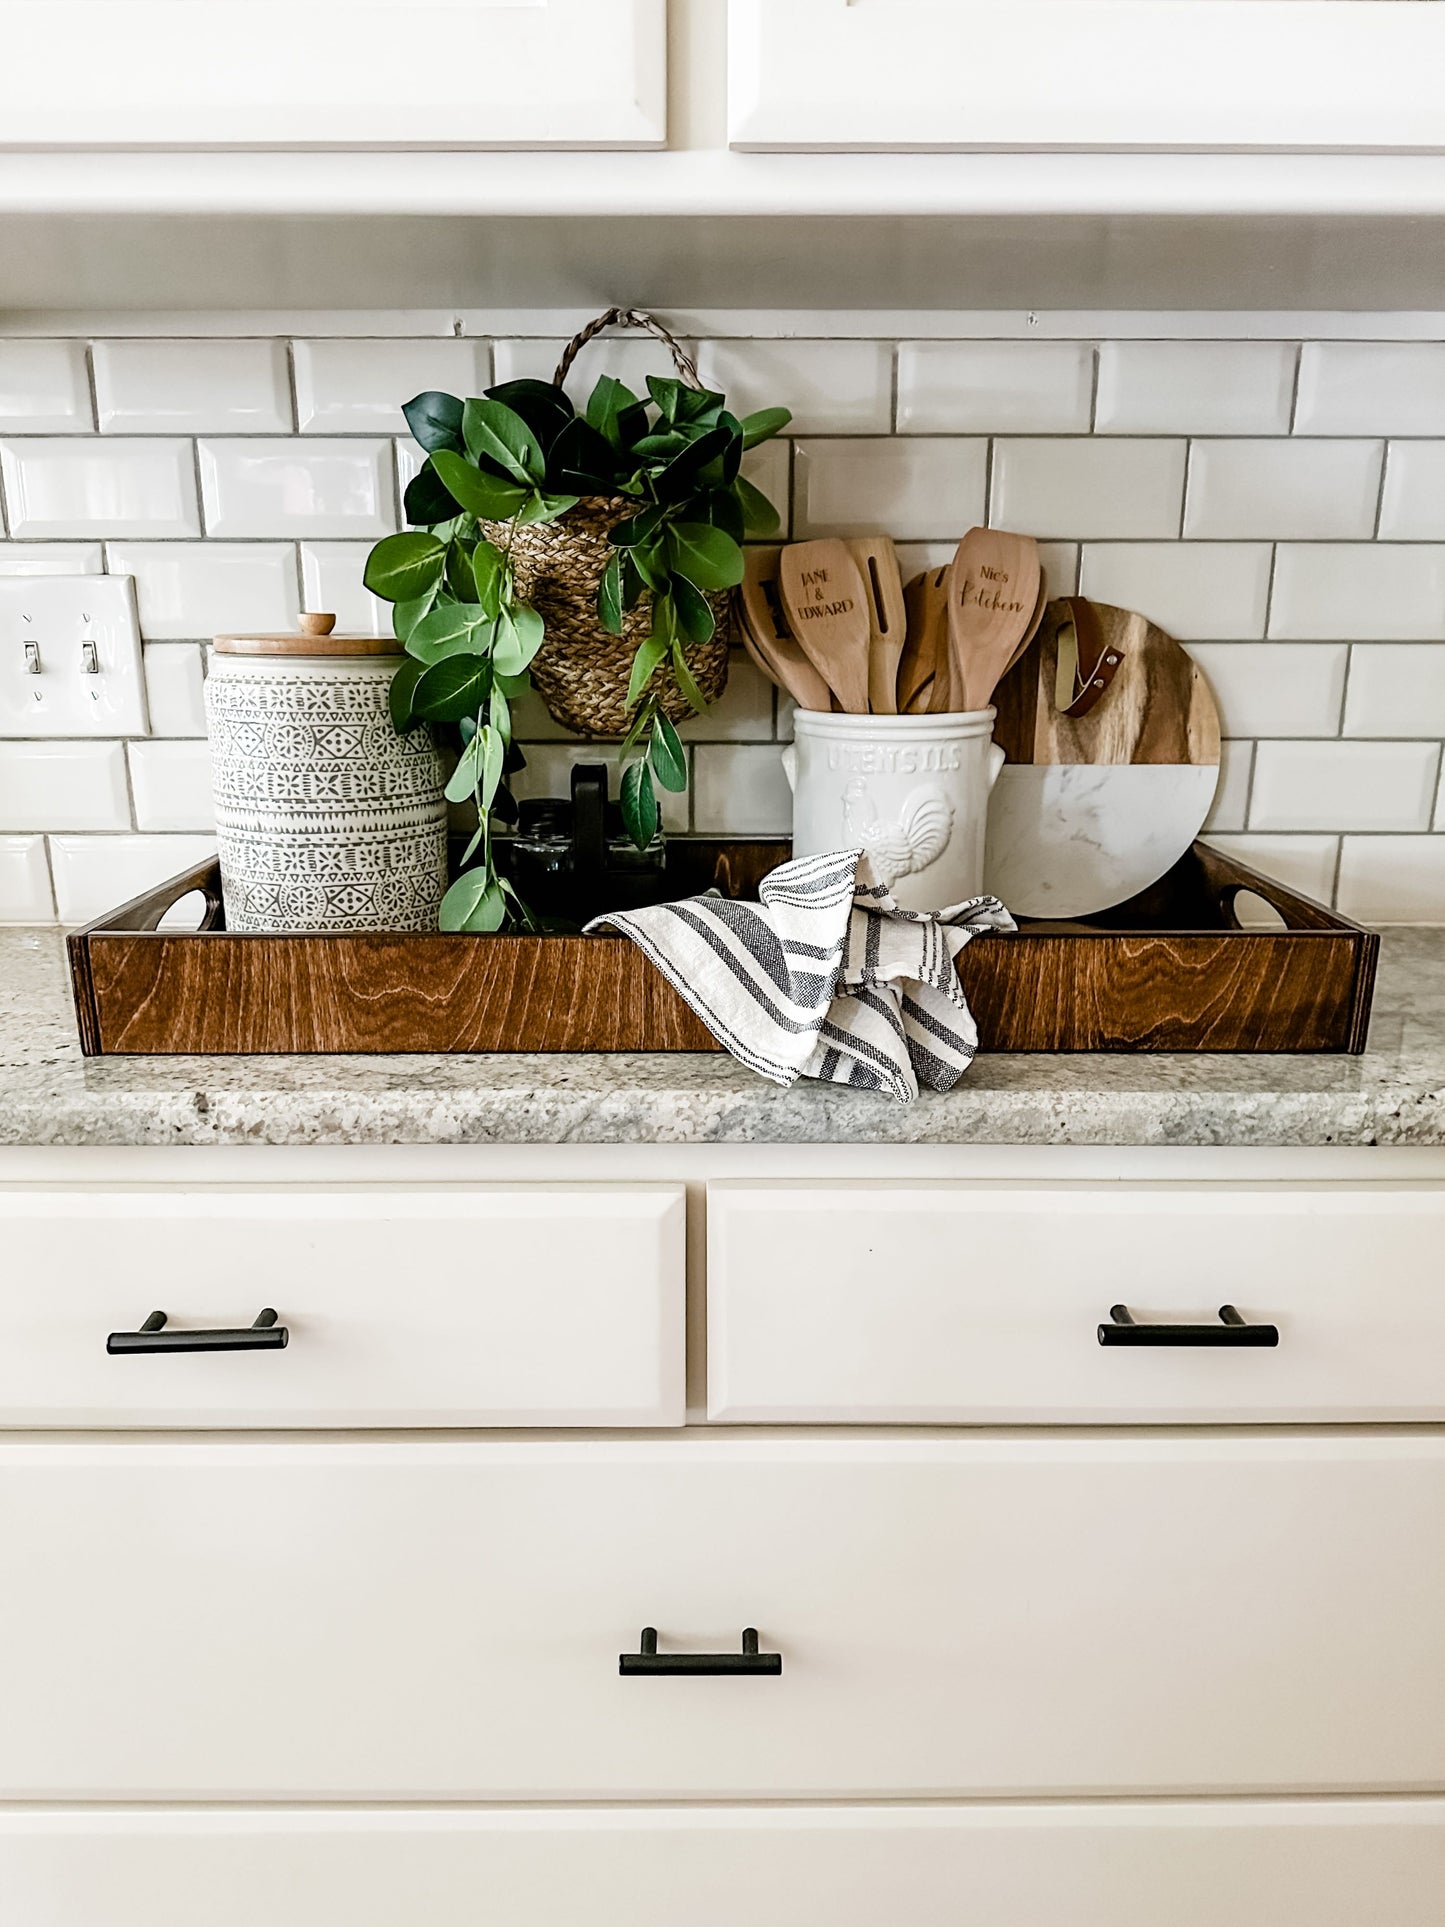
(518, 454)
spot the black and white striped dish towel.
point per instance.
(826, 976)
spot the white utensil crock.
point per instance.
(327, 818)
(910, 790)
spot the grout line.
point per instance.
(1299, 356)
(1350, 649)
(1380, 492)
(1269, 591)
(289, 356)
(201, 514)
(1186, 485)
(1095, 357)
(894, 352)
(88, 359)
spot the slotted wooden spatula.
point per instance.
(877, 561)
(827, 610)
(766, 635)
(925, 652)
(993, 592)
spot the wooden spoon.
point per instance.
(993, 591)
(877, 561)
(925, 651)
(827, 610)
(766, 635)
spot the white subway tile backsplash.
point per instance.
(1195, 387)
(94, 874)
(25, 892)
(175, 683)
(1275, 688)
(1358, 592)
(63, 786)
(1303, 863)
(1293, 490)
(1215, 590)
(44, 389)
(742, 789)
(1396, 689)
(145, 487)
(993, 387)
(51, 558)
(928, 490)
(331, 580)
(1371, 388)
(1333, 728)
(1089, 489)
(744, 711)
(350, 387)
(1393, 879)
(832, 387)
(1344, 786)
(171, 784)
(196, 590)
(295, 488)
(180, 387)
(1231, 799)
(1412, 508)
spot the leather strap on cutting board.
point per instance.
(1077, 688)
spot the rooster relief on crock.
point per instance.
(915, 839)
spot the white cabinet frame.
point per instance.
(333, 73)
(941, 76)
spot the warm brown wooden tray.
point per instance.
(1171, 971)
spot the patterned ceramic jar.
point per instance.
(327, 818)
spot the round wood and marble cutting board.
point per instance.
(1089, 810)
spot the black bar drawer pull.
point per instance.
(1231, 1330)
(264, 1336)
(649, 1660)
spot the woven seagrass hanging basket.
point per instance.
(581, 672)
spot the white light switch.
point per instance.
(70, 659)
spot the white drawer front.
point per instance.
(1199, 1864)
(962, 1304)
(294, 1620)
(530, 1305)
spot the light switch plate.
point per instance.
(66, 624)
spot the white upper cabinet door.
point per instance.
(937, 75)
(333, 73)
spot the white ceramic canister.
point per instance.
(327, 817)
(911, 790)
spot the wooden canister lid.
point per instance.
(314, 637)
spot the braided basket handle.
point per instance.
(628, 318)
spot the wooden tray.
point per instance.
(1171, 971)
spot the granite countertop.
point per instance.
(50, 1094)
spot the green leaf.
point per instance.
(723, 510)
(401, 567)
(499, 713)
(426, 501)
(640, 726)
(453, 629)
(609, 596)
(650, 562)
(582, 460)
(636, 528)
(474, 903)
(403, 685)
(639, 804)
(687, 682)
(406, 615)
(680, 404)
(615, 412)
(660, 447)
(759, 515)
(543, 407)
(478, 493)
(489, 570)
(705, 555)
(489, 764)
(513, 686)
(435, 420)
(668, 757)
(519, 636)
(452, 688)
(474, 843)
(695, 619)
(765, 422)
(545, 508)
(495, 433)
(676, 481)
(462, 783)
(645, 664)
